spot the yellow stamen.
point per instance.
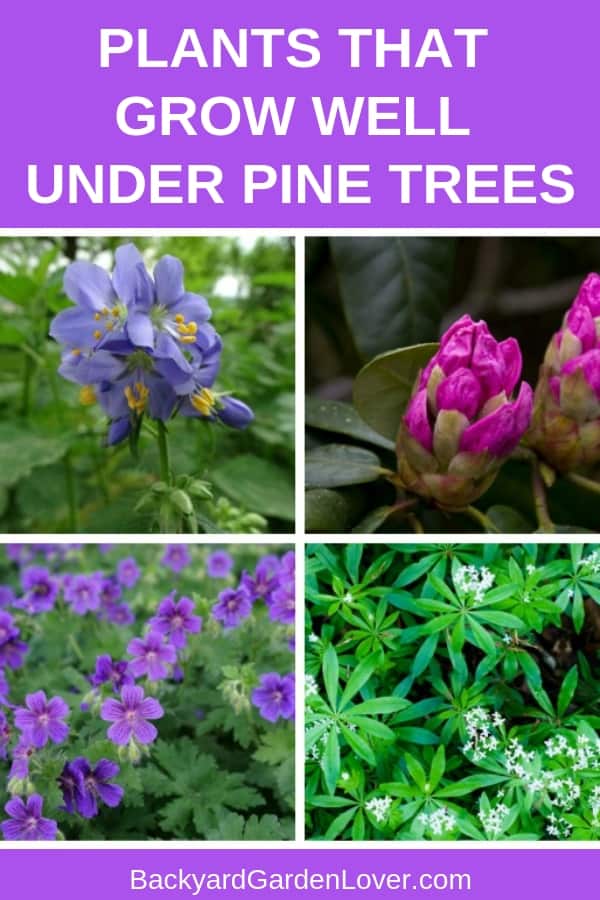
(179, 318)
(115, 311)
(110, 326)
(76, 351)
(204, 401)
(87, 395)
(97, 335)
(188, 339)
(104, 310)
(97, 317)
(137, 397)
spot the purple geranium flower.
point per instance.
(3, 687)
(129, 716)
(219, 564)
(120, 614)
(151, 656)
(176, 557)
(26, 822)
(83, 593)
(12, 649)
(83, 786)
(282, 606)
(4, 734)
(117, 673)
(234, 605)
(110, 590)
(21, 754)
(176, 620)
(42, 719)
(7, 596)
(127, 572)
(41, 590)
(264, 580)
(274, 697)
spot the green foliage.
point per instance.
(217, 770)
(452, 692)
(50, 439)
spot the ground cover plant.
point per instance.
(452, 692)
(146, 692)
(146, 385)
(454, 385)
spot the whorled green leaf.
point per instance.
(383, 387)
(394, 289)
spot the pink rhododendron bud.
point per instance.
(462, 421)
(565, 427)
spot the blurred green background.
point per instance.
(51, 445)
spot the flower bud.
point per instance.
(462, 423)
(565, 426)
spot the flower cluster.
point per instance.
(141, 344)
(438, 822)
(462, 423)
(565, 427)
(74, 748)
(473, 582)
(273, 582)
(379, 807)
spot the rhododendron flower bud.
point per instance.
(566, 416)
(462, 421)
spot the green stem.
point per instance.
(540, 500)
(71, 493)
(163, 451)
(481, 519)
(587, 483)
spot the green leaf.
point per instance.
(379, 706)
(257, 485)
(335, 465)
(342, 418)
(416, 771)
(567, 691)
(24, 450)
(383, 387)
(394, 289)
(358, 678)
(331, 761)
(470, 784)
(326, 510)
(360, 746)
(438, 767)
(325, 802)
(371, 726)
(331, 673)
(374, 520)
(508, 520)
(352, 556)
(339, 824)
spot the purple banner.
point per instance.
(145, 115)
(480, 874)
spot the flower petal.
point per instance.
(144, 732)
(89, 286)
(417, 420)
(168, 277)
(140, 330)
(74, 327)
(120, 732)
(130, 278)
